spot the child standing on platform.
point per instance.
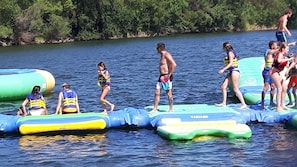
(104, 84)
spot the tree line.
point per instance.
(39, 21)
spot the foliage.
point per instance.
(104, 19)
(57, 28)
(8, 11)
(5, 32)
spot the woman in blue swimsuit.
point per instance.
(231, 64)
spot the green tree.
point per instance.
(43, 19)
(57, 28)
(9, 9)
(24, 4)
(5, 32)
(87, 22)
(104, 19)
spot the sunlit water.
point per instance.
(133, 65)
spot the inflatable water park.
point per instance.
(15, 84)
(186, 122)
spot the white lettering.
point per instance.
(199, 116)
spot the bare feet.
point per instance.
(279, 109)
(243, 107)
(272, 104)
(112, 107)
(104, 112)
(285, 108)
(170, 111)
(220, 105)
(262, 106)
(152, 111)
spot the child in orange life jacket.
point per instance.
(36, 102)
(104, 84)
(67, 101)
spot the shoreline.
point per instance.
(38, 41)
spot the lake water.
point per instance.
(133, 64)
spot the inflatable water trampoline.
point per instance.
(16, 84)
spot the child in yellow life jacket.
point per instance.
(36, 102)
(67, 101)
(104, 84)
(231, 65)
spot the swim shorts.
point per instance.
(293, 82)
(281, 36)
(266, 76)
(164, 82)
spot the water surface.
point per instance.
(133, 64)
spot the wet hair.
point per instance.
(228, 46)
(271, 43)
(282, 46)
(289, 11)
(161, 46)
(35, 90)
(102, 65)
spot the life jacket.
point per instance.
(69, 102)
(102, 81)
(36, 101)
(268, 63)
(235, 60)
(278, 65)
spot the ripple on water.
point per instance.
(133, 65)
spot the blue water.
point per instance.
(133, 64)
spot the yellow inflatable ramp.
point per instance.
(67, 122)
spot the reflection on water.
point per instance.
(43, 147)
(133, 65)
(283, 146)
